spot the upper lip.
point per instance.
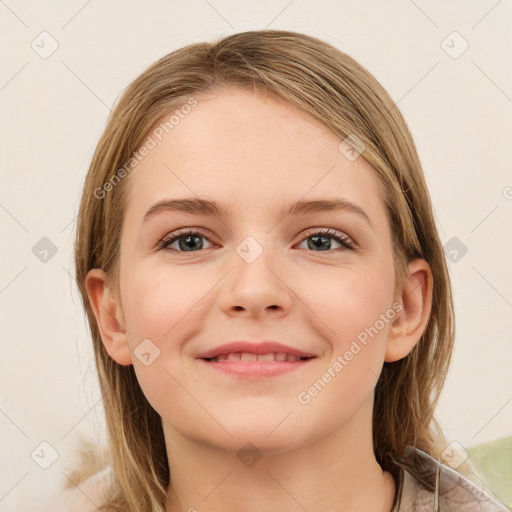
(262, 347)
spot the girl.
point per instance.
(266, 289)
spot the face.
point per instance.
(255, 271)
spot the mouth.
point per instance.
(248, 357)
(255, 360)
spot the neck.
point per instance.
(337, 472)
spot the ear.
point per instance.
(109, 317)
(415, 296)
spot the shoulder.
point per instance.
(455, 492)
(88, 496)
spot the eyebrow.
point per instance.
(197, 206)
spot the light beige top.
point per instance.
(461, 495)
(453, 492)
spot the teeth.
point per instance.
(280, 356)
(266, 357)
(247, 356)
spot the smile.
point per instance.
(249, 357)
(250, 365)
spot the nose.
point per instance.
(258, 283)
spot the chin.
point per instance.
(273, 433)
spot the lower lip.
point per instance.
(257, 369)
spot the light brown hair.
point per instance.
(329, 85)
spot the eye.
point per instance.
(320, 239)
(188, 241)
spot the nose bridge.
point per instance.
(250, 249)
(255, 257)
(256, 284)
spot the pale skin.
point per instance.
(258, 155)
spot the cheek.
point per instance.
(357, 312)
(160, 302)
(353, 299)
(161, 316)
(163, 308)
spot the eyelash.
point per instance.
(344, 240)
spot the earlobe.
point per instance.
(109, 317)
(416, 299)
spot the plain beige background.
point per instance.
(456, 100)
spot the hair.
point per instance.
(319, 80)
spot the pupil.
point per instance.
(189, 242)
(317, 242)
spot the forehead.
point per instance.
(247, 148)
